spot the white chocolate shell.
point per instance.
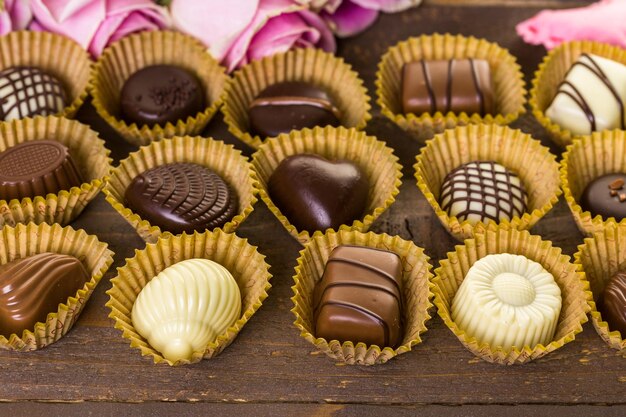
(508, 300)
(187, 306)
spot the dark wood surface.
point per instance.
(270, 369)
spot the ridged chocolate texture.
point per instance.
(33, 287)
(159, 94)
(287, 106)
(612, 303)
(316, 194)
(28, 92)
(455, 85)
(182, 197)
(37, 168)
(359, 298)
(606, 196)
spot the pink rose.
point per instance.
(96, 23)
(238, 31)
(15, 16)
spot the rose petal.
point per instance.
(119, 25)
(20, 13)
(388, 6)
(326, 40)
(278, 35)
(350, 19)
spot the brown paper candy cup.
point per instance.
(416, 293)
(223, 159)
(30, 239)
(551, 73)
(242, 260)
(517, 151)
(574, 289)
(55, 54)
(507, 77)
(602, 256)
(306, 65)
(132, 53)
(587, 158)
(371, 155)
(89, 154)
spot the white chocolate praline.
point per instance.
(187, 306)
(509, 301)
(586, 94)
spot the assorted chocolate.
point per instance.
(186, 307)
(591, 97)
(37, 168)
(509, 301)
(158, 94)
(480, 191)
(454, 85)
(606, 196)
(612, 303)
(292, 105)
(359, 297)
(182, 197)
(317, 194)
(33, 287)
(29, 92)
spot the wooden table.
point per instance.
(270, 369)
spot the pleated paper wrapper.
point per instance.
(219, 157)
(87, 151)
(25, 240)
(416, 293)
(602, 256)
(242, 260)
(551, 73)
(575, 293)
(508, 80)
(519, 152)
(375, 159)
(132, 53)
(55, 54)
(586, 159)
(308, 65)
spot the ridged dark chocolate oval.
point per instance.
(182, 197)
(612, 304)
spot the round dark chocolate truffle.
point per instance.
(182, 197)
(287, 106)
(29, 92)
(159, 94)
(612, 303)
(606, 196)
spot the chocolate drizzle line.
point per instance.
(32, 92)
(429, 87)
(479, 91)
(297, 101)
(459, 181)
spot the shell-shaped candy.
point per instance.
(187, 306)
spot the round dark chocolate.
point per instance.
(182, 197)
(29, 92)
(606, 196)
(159, 94)
(292, 105)
(612, 303)
(37, 168)
(316, 194)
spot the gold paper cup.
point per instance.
(31, 239)
(602, 256)
(223, 159)
(375, 159)
(509, 92)
(586, 159)
(416, 293)
(132, 53)
(89, 154)
(308, 65)
(242, 260)
(533, 163)
(551, 73)
(574, 289)
(55, 54)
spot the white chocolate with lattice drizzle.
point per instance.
(509, 301)
(187, 306)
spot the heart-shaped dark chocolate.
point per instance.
(316, 194)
